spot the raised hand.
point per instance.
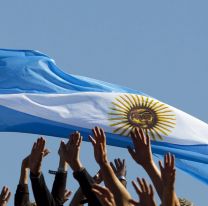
(36, 156)
(104, 195)
(99, 144)
(25, 162)
(168, 179)
(141, 153)
(119, 167)
(5, 196)
(168, 171)
(62, 163)
(67, 194)
(71, 151)
(145, 193)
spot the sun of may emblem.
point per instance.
(129, 111)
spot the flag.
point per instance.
(37, 97)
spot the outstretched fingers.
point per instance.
(137, 189)
(92, 140)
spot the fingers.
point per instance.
(169, 161)
(79, 141)
(75, 140)
(99, 135)
(92, 140)
(139, 138)
(8, 195)
(67, 194)
(113, 167)
(102, 190)
(151, 190)
(143, 189)
(34, 146)
(124, 162)
(46, 152)
(138, 191)
(5, 194)
(132, 152)
(117, 163)
(146, 188)
(161, 166)
(141, 184)
(40, 144)
(3, 191)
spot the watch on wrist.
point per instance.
(122, 178)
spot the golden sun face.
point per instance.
(129, 111)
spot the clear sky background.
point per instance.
(158, 47)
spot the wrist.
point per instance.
(122, 178)
(148, 165)
(35, 172)
(62, 165)
(77, 166)
(104, 164)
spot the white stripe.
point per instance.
(91, 108)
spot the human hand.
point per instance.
(67, 194)
(98, 177)
(119, 167)
(104, 195)
(36, 156)
(71, 151)
(145, 193)
(25, 162)
(5, 196)
(61, 150)
(62, 163)
(168, 171)
(99, 145)
(141, 153)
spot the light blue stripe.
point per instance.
(27, 71)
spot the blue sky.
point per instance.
(158, 47)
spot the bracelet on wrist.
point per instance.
(122, 178)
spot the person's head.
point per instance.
(185, 202)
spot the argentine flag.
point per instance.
(37, 97)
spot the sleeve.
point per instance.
(22, 195)
(85, 182)
(59, 186)
(41, 193)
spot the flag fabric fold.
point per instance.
(37, 97)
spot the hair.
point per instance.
(184, 202)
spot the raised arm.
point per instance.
(121, 195)
(168, 179)
(41, 193)
(142, 154)
(79, 197)
(72, 157)
(22, 193)
(59, 186)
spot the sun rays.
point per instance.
(129, 111)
